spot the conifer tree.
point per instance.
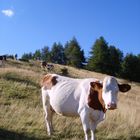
(73, 53)
(131, 67)
(99, 58)
(45, 54)
(57, 53)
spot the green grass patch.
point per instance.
(15, 77)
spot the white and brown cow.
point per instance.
(87, 98)
(44, 65)
(2, 59)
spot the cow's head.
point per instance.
(104, 95)
(110, 91)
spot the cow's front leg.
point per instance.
(95, 119)
(93, 127)
(85, 122)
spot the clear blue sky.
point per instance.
(27, 25)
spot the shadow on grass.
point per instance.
(131, 138)
(9, 135)
(135, 138)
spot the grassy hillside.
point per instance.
(21, 113)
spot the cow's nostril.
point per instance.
(108, 105)
(112, 106)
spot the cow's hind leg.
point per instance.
(48, 120)
(48, 112)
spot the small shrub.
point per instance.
(64, 71)
(24, 60)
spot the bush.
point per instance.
(24, 60)
(64, 71)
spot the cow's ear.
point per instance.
(92, 84)
(124, 87)
(96, 84)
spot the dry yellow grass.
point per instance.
(21, 113)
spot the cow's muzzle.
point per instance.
(112, 106)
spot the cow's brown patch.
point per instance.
(95, 99)
(48, 81)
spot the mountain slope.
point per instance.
(21, 113)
